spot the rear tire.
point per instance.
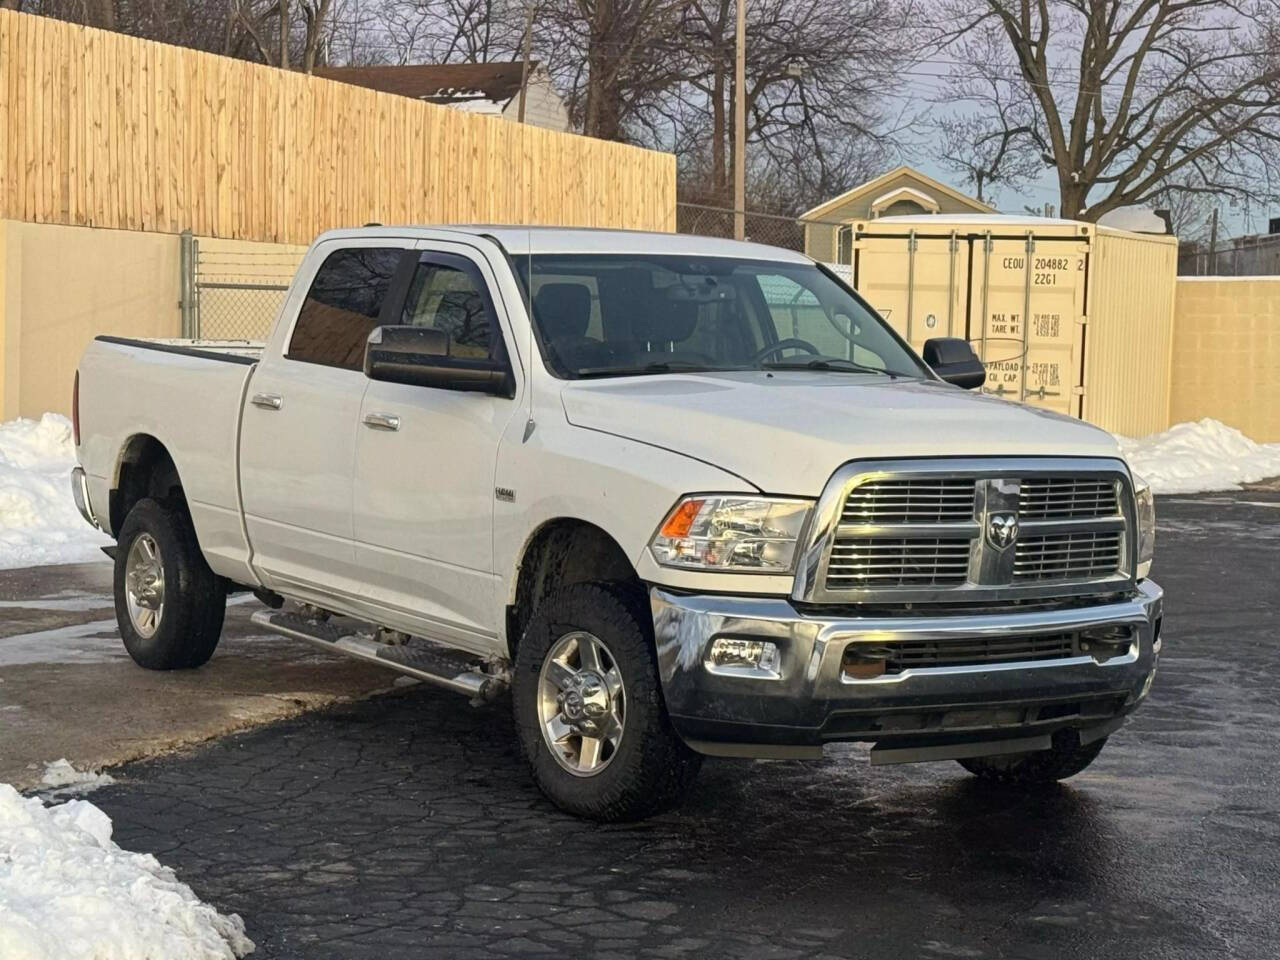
(1064, 759)
(590, 632)
(169, 604)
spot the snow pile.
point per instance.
(63, 778)
(1201, 456)
(39, 522)
(68, 893)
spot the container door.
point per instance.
(916, 283)
(1039, 361)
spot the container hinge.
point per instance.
(1083, 320)
(1077, 391)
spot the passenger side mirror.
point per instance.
(953, 359)
(420, 357)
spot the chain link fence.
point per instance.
(1256, 256)
(234, 293)
(825, 240)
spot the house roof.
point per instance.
(877, 186)
(437, 82)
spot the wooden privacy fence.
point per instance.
(101, 129)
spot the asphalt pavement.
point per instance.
(406, 825)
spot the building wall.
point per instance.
(1226, 353)
(62, 286)
(543, 106)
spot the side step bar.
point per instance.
(418, 658)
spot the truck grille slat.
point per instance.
(1070, 556)
(1067, 498)
(898, 561)
(911, 501)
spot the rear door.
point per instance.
(300, 421)
(423, 490)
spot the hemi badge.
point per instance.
(505, 494)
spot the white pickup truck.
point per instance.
(682, 496)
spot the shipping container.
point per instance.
(1068, 316)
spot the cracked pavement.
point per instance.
(407, 825)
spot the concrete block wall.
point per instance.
(1226, 353)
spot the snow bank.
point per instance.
(39, 522)
(68, 893)
(64, 779)
(1201, 456)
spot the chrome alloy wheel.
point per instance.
(144, 585)
(582, 703)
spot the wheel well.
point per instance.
(146, 470)
(563, 552)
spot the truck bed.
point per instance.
(186, 395)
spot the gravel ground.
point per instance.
(407, 826)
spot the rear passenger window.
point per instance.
(448, 294)
(342, 306)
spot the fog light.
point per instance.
(747, 658)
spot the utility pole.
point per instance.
(1213, 244)
(524, 56)
(740, 126)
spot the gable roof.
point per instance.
(879, 183)
(438, 82)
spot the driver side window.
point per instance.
(449, 295)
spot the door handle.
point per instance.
(268, 401)
(382, 421)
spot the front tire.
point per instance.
(1064, 759)
(589, 709)
(169, 604)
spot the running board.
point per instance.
(418, 658)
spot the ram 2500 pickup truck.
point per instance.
(681, 496)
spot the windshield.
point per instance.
(624, 315)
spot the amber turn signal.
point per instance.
(681, 520)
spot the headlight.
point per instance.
(1146, 525)
(738, 534)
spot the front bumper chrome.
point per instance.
(80, 493)
(812, 701)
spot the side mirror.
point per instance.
(420, 357)
(953, 359)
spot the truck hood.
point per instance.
(787, 431)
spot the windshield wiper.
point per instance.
(664, 366)
(826, 363)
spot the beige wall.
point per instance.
(1226, 353)
(61, 287)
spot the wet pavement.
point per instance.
(407, 826)
(68, 688)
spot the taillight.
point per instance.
(75, 408)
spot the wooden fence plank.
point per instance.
(106, 130)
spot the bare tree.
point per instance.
(1126, 100)
(814, 96)
(276, 32)
(450, 31)
(610, 57)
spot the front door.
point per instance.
(300, 421)
(423, 490)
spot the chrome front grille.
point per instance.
(911, 501)
(1068, 556)
(1067, 498)
(970, 530)
(897, 562)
